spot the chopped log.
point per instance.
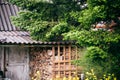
(41, 60)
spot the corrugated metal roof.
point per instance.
(3, 1)
(23, 37)
(9, 34)
(7, 10)
(16, 37)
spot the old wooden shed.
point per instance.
(21, 57)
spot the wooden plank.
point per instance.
(64, 58)
(76, 53)
(76, 58)
(63, 61)
(58, 59)
(69, 48)
(53, 59)
(16, 63)
(2, 59)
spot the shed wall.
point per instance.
(14, 62)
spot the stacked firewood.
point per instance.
(41, 60)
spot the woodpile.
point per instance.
(41, 60)
(52, 62)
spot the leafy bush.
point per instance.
(92, 76)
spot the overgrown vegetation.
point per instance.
(92, 76)
(53, 20)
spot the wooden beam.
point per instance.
(69, 48)
(59, 60)
(53, 59)
(64, 58)
(76, 58)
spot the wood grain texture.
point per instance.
(17, 63)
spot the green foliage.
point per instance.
(96, 54)
(92, 76)
(29, 21)
(57, 31)
(90, 16)
(102, 52)
(99, 38)
(95, 58)
(72, 18)
(42, 17)
(100, 10)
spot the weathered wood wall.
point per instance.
(14, 62)
(1, 58)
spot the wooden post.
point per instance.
(64, 59)
(76, 58)
(69, 48)
(53, 58)
(58, 60)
